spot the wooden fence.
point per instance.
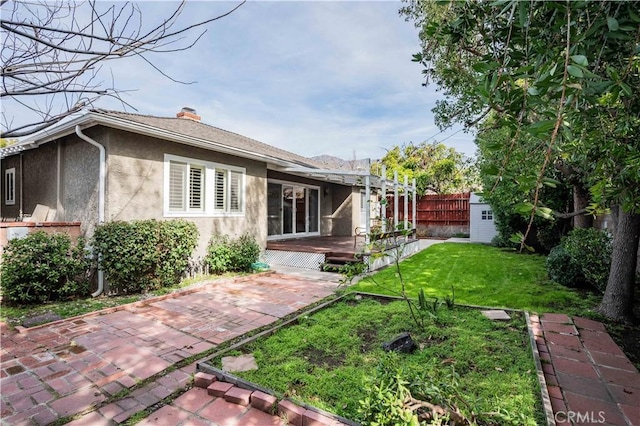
(435, 211)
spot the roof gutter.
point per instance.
(101, 197)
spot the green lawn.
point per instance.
(333, 358)
(481, 275)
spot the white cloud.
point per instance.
(311, 77)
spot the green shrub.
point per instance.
(43, 267)
(178, 238)
(246, 251)
(227, 255)
(591, 250)
(562, 269)
(144, 255)
(219, 254)
(583, 256)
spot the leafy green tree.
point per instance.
(434, 166)
(564, 73)
(510, 185)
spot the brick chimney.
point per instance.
(189, 114)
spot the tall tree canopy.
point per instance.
(53, 53)
(564, 74)
(434, 166)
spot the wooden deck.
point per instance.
(330, 245)
(324, 245)
(318, 252)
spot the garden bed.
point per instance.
(464, 363)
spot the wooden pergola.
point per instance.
(371, 183)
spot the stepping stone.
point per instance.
(239, 363)
(497, 315)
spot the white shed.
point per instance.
(482, 227)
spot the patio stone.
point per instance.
(193, 400)
(203, 380)
(260, 418)
(223, 412)
(496, 315)
(165, 416)
(238, 396)
(313, 418)
(219, 388)
(245, 362)
(263, 401)
(292, 413)
(77, 402)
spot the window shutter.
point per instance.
(196, 186)
(220, 195)
(177, 184)
(235, 201)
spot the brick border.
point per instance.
(538, 344)
(224, 385)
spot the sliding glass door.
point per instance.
(292, 209)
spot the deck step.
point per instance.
(342, 259)
(334, 261)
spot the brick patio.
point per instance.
(73, 366)
(589, 378)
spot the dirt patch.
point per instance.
(40, 319)
(628, 338)
(368, 336)
(321, 358)
(382, 299)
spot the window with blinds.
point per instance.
(235, 194)
(229, 190)
(177, 181)
(221, 190)
(200, 187)
(196, 187)
(186, 183)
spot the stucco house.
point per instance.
(108, 165)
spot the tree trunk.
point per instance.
(617, 302)
(580, 202)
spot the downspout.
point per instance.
(21, 211)
(101, 185)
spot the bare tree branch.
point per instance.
(52, 53)
(569, 215)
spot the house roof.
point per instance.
(214, 135)
(475, 198)
(194, 133)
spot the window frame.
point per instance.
(486, 214)
(208, 198)
(10, 187)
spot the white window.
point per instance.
(10, 186)
(186, 187)
(201, 188)
(229, 193)
(487, 215)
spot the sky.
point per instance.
(311, 77)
